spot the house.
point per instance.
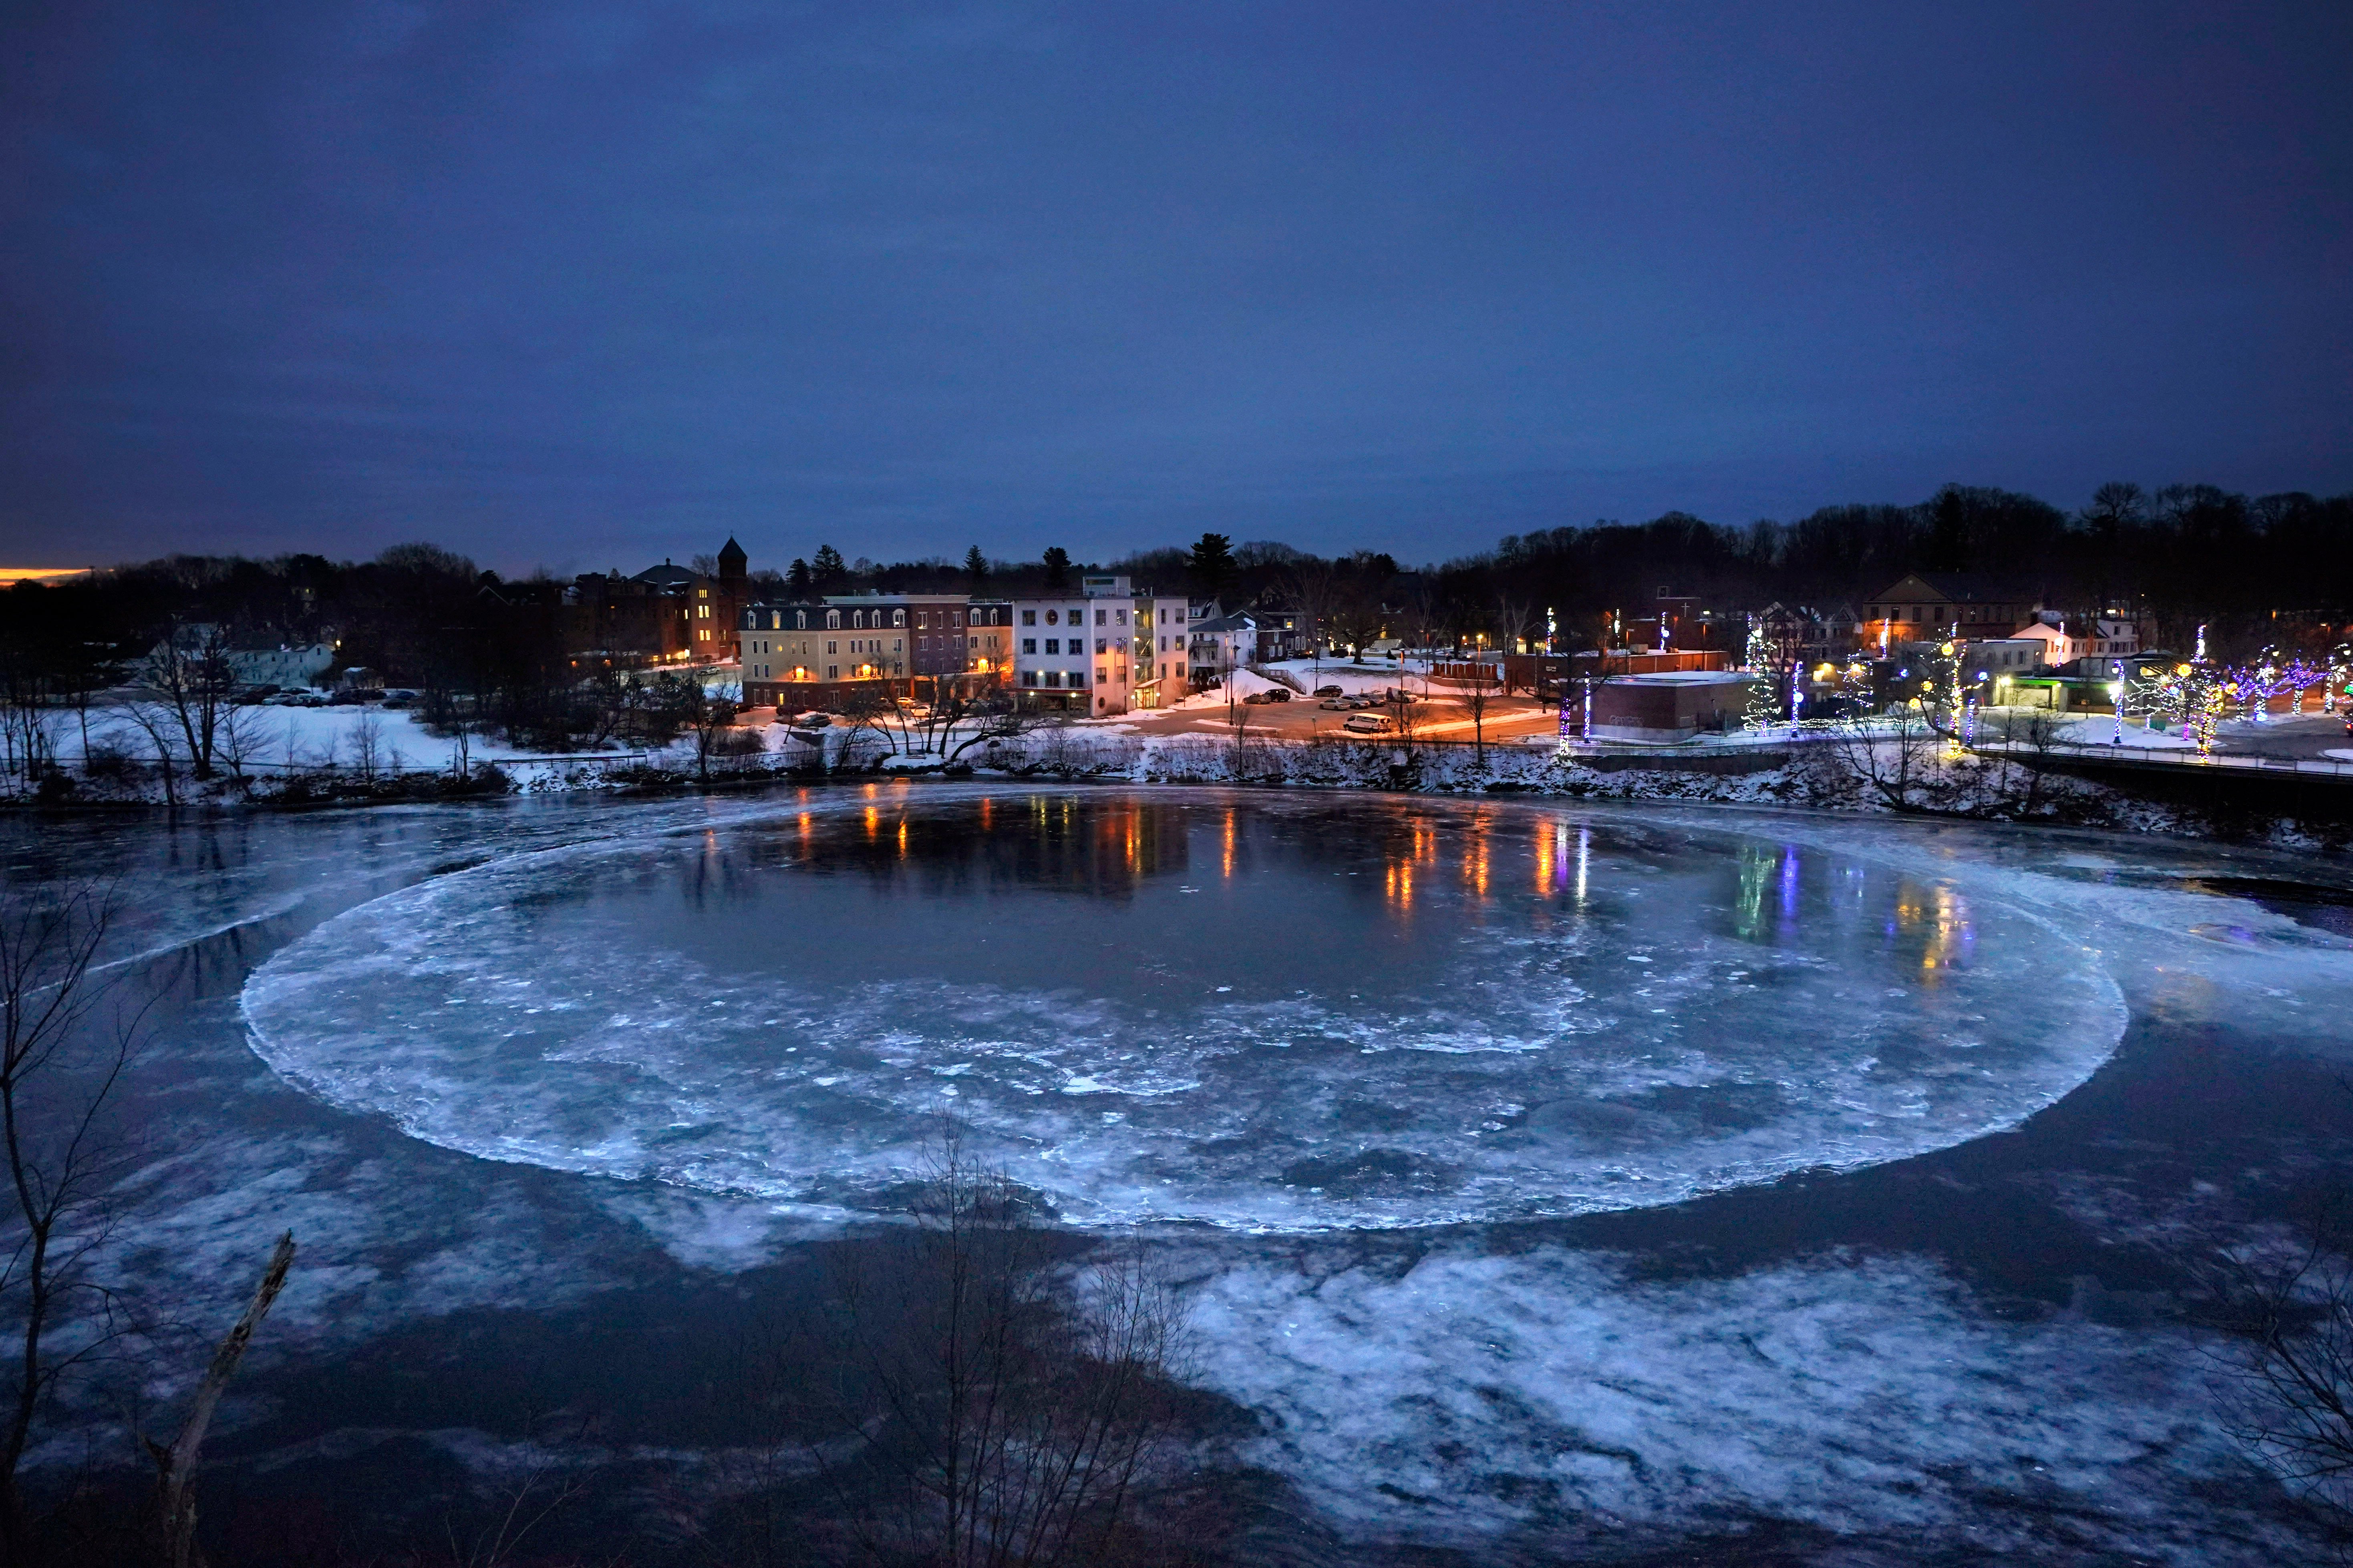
(2068, 638)
(1940, 606)
(1218, 643)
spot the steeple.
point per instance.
(733, 562)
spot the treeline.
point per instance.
(2273, 569)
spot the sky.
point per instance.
(582, 285)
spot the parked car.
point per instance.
(811, 720)
(1256, 698)
(295, 699)
(1361, 700)
(246, 695)
(1369, 725)
(1337, 704)
(1277, 694)
(1327, 691)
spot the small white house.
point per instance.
(2066, 639)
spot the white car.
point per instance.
(1369, 725)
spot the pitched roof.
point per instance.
(1959, 588)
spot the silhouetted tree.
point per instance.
(1057, 561)
(1212, 565)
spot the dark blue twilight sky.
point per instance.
(582, 284)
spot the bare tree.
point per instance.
(175, 1465)
(1890, 753)
(241, 737)
(1317, 588)
(189, 673)
(367, 745)
(1002, 1411)
(58, 1069)
(2288, 1388)
(155, 721)
(1477, 696)
(1516, 622)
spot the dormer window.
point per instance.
(833, 620)
(898, 618)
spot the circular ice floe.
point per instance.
(1270, 1015)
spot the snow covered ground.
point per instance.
(275, 738)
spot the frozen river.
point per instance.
(1544, 1177)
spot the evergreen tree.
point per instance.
(1212, 564)
(1765, 692)
(1058, 567)
(798, 582)
(976, 567)
(830, 572)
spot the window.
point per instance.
(1053, 645)
(833, 672)
(1028, 644)
(1180, 669)
(1098, 618)
(897, 644)
(1053, 678)
(898, 618)
(1102, 644)
(955, 619)
(1119, 617)
(833, 620)
(1052, 616)
(831, 649)
(1029, 618)
(702, 634)
(1100, 677)
(800, 620)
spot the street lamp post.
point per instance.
(2116, 700)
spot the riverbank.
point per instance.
(1867, 779)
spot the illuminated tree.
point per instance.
(1764, 693)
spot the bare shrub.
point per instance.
(979, 1398)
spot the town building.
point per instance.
(1669, 706)
(664, 614)
(1104, 649)
(1938, 607)
(813, 653)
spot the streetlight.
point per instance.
(2116, 700)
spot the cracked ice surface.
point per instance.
(1271, 1016)
(1471, 1395)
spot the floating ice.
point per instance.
(1423, 1013)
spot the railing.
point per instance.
(2172, 757)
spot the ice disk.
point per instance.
(1267, 1014)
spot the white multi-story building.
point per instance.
(1102, 650)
